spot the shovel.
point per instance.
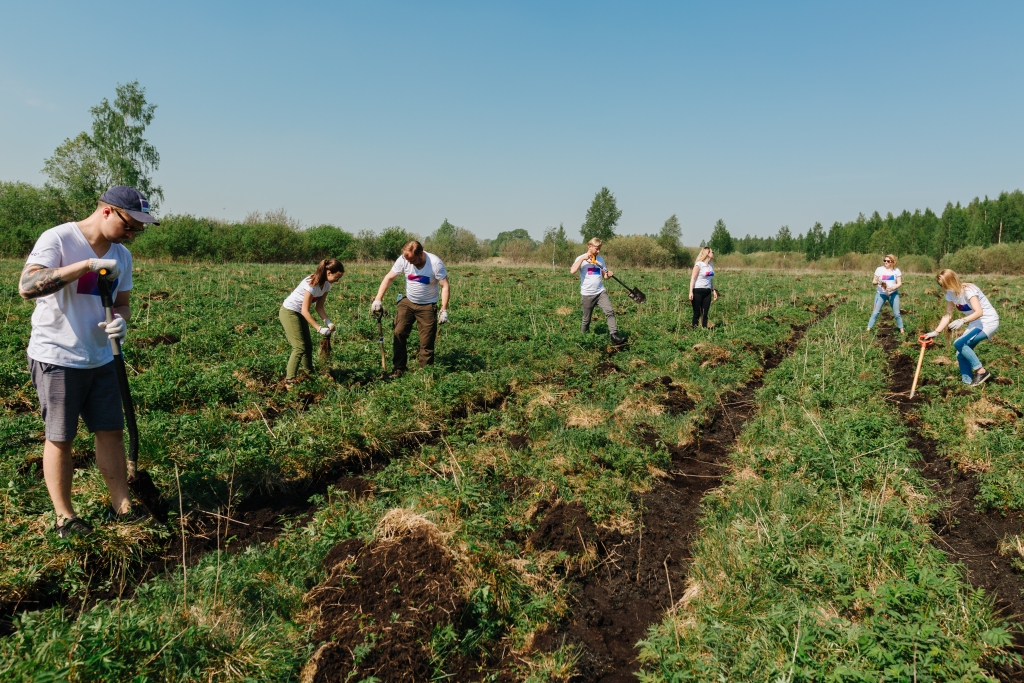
(139, 481)
(634, 293)
(925, 342)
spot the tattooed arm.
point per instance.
(37, 280)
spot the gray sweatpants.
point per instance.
(605, 303)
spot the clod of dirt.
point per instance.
(607, 367)
(388, 597)
(942, 360)
(518, 442)
(711, 356)
(1003, 381)
(563, 527)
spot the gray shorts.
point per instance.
(66, 393)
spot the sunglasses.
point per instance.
(127, 224)
(886, 260)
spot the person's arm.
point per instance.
(576, 264)
(714, 294)
(384, 284)
(899, 283)
(693, 278)
(446, 292)
(976, 312)
(320, 308)
(945, 320)
(605, 272)
(37, 280)
(307, 299)
(875, 281)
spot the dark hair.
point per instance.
(413, 247)
(328, 265)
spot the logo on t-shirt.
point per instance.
(89, 284)
(593, 270)
(422, 279)
(888, 277)
(964, 307)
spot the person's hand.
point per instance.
(956, 324)
(930, 335)
(116, 328)
(691, 296)
(107, 264)
(442, 317)
(376, 306)
(714, 295)
(608, 274)
(328, 323)
(324, 331)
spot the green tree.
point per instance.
(784, 239)
(721, 240)
(454, 244)
(670, 239)
(814, 243)
(602, 217)
(508, 236)
(116, 153)
(556, 246)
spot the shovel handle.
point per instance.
(127, 404)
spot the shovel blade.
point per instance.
(637, 296)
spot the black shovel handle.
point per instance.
(122, 379)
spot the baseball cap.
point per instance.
(132, 201)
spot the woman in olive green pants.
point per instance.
(296, 318)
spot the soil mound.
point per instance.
(564, 527)
(380, 605)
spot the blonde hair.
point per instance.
(594, 242)
(893, 257)
(703, 254)
(950, 281)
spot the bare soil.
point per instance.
(639, 575)
(968, 534)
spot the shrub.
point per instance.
(1005, 259)
(327, 241)
(25, 212)
(637, 251)
(454, 244)
(518, 250)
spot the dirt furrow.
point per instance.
(640, 574)
(966, 533)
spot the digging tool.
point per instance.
(139, 481)
(634, 293)
(379, 315)
(925, 342)
(325, 344)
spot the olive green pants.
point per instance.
(296, 329)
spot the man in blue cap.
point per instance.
(69, 352)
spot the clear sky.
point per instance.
(512, 115)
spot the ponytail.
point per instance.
(328, 265)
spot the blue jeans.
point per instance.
(880, 300)
(965, 355)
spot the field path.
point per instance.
(641, 574)
(969, 535)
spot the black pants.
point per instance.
(701, 305)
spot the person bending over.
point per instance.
(424, 275)
(980, 317)
(296, 318)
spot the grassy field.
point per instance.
(449, 525)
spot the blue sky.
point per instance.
(503, 116)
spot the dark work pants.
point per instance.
(425, 317)
(701, 305)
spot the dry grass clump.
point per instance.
(586, 417)
(710, 355)
(564, 310)
(985, 414)
(642, 406)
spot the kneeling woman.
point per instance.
(296, 318)
(980, 317)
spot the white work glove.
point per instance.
(442, 318)
(930, 335)
(107, 264)
(115, 329)
(328, 323)
(324, 331)
(956, 324)
(376, 306)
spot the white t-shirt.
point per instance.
(294, 300)
(886, 278)
(591, 279)
(65, 324)
(421, 283)
(989, 320)
(705, 276)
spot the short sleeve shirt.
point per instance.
(705, 276)
(294, 300)
(887, 278)
(65, 324)
(421, 283)
(989, 320)
(591, 279)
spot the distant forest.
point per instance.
(981, 223)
